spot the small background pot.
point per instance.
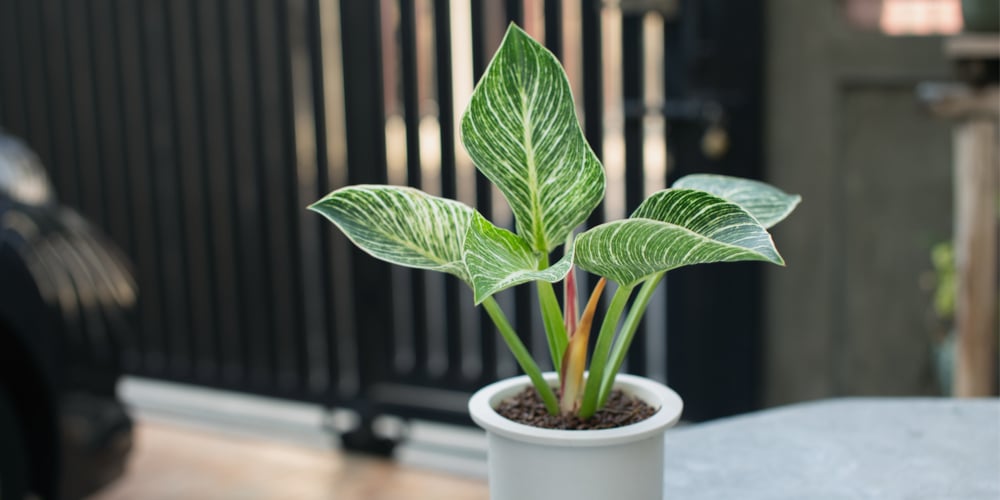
(529, 462)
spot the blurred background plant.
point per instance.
(941, 282)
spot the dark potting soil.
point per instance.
(527, 408)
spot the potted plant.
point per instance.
(521, 130)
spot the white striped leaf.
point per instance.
(401, 225)
(671, 229)
(767, 203)
(498, 259)
(521, 130)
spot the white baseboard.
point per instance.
(446, 448)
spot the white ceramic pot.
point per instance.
(528, 462)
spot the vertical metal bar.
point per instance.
(107, 86)
(515, 11)
(593, 101)
(209, 364)
(394, 23)
(411, 117)
(69, 166)
(90, 162)
(92, 116)
(56, 25)
(169, 222)
(446, 112)
(323, 182)
(654, 167)
(239, 182)
(479, 56)
(339, 278)
(214, 113)
(193, 207)
(432, 172)
(398, 40)
(311, 346)
(134, 352)
(133, 107)
(56, 148)
(675, 33)
(554, 27)
(269, 71)
(632, 89)
(673, 88)
(8, 54)
(484, 192)
(14, 119)
(246, 177)
(632, 80)
(34, 80)
(329, 323)
(470, 368)
(290, 319)
(262, 353)
(661, 299)
(741, 70)
(366, 157)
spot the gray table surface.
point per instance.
(857, 448)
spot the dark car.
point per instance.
(67, 298)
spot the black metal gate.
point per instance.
(195, 132)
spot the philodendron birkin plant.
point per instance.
(521, 130)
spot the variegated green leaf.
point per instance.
(521, 130)
(765, 202)
(674, 228)
(498, 259)
(401, 225)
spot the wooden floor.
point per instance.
(171, 462)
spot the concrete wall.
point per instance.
(845, 130)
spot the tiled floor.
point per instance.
(171, 462)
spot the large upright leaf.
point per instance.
(673, 228)
(401, 225)
(521, 130)
(498, 259)
(767, 203)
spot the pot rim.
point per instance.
(669, 406)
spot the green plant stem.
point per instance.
(599, 358)
(522, 355)
(555, 330)
(624, 340)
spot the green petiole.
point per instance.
(598, 361)
(624, 339)
(555, 330)
(522, 355)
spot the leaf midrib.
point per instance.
(704, 238)
(537, 228)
